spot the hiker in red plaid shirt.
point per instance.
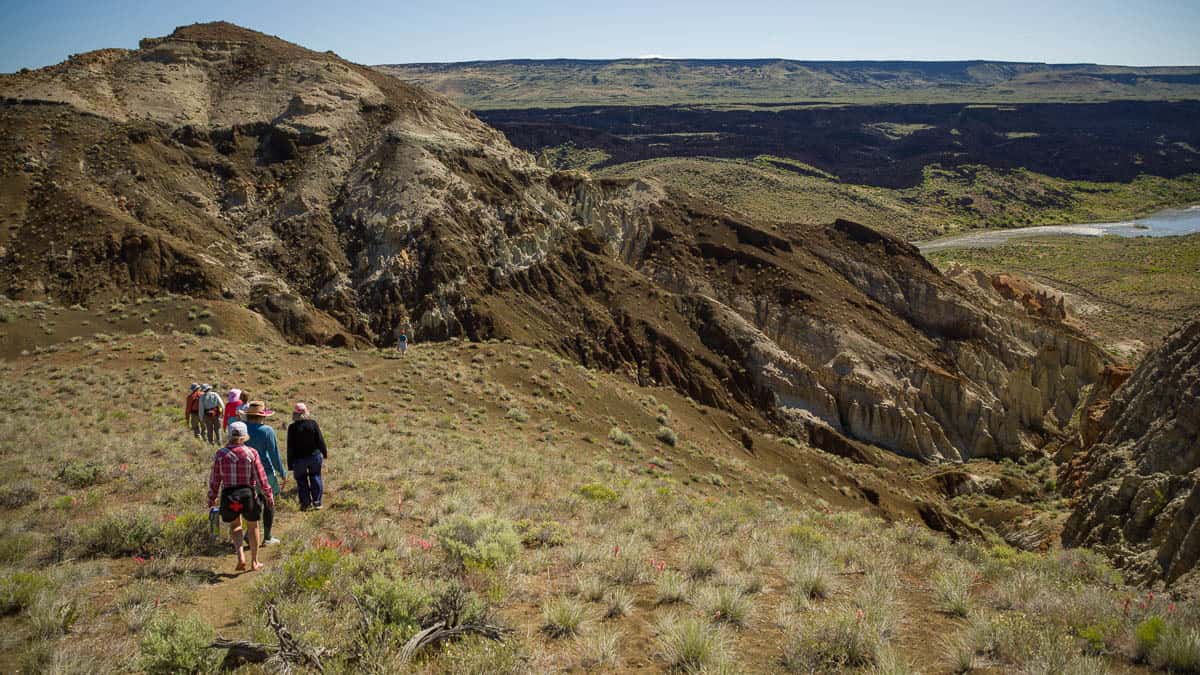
(238, 478)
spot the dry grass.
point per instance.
(422, 515)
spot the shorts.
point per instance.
(241, 501)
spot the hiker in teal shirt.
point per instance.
(262, 439)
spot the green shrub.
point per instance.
(188, 534)
(310, 570)
(620, 437)
(803, 538)
(1147, 635)
(544, 533)
(79, 474)
(120, 534)
(667, 435)
(598, 492)
(18, 590)
(562, 616)
(174, 644)
(204, 330)
(393, 609)
(483, 542)
(517, 414)
(15, 546)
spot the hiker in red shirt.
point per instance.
(232, 402)
(191, 409)
(238, 478)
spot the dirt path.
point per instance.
(224, 602)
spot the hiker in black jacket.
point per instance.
(305, 452)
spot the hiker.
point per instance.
(210, 414)
(305, 453)
(243, 399)
(191, 409)
(245, 494)
(402, 342)
(262, 439)
(232, 401)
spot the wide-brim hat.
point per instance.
(258, 409)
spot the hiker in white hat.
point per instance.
(245, 495)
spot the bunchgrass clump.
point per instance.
(725, 604)
(952, 589)
(667, 435)
(620, 437)
(563, 616)
(618, 602)
(832, 641)
(590, 587)
(601, 650)
(811, 578)
(1177, 649)
(671, 587)
(691, 645)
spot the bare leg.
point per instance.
(252, 534)
(235, 535)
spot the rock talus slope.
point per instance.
(342, 204)
(1140, 497)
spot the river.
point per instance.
(1168, 223)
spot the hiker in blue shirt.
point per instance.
(402, 342)
(262, 439)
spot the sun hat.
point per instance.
(300, 409)
(206, 387)
(233, 396)
(258, 409)
(193, 387)
(238, 430)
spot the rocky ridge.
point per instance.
(342, 204)
(1139, 483)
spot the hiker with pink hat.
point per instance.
(262, 438)
(232, 401)
(306, 453)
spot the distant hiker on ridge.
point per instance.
(239, 480)
(305, 451)
(262, 439)
(402, 342)
(210, 414)
(191, 409)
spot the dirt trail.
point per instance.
(224, 602)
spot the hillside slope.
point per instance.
(1140, 493)
(343, 205)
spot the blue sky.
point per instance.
(1128, 32)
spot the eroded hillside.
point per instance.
(343, 205)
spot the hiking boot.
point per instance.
(316, 507)
(270, 541)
